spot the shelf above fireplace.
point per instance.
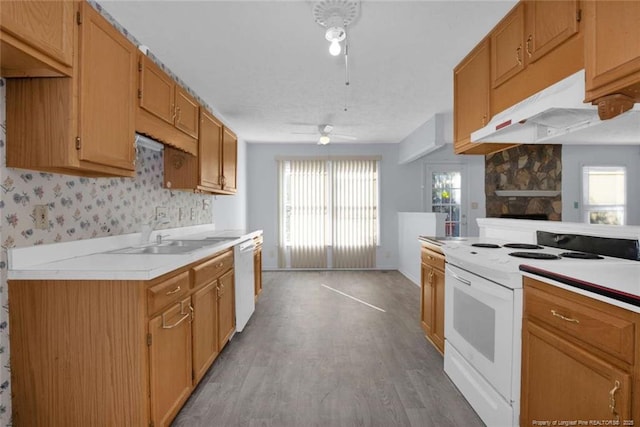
(527, 193)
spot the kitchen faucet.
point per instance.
(148, 228)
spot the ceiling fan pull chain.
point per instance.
(346, 73)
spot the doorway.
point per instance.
(444, 184)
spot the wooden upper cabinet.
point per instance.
(507, 46)
(471, 100)
(158, 90)
(37, 38)
(471, 95)
(213, 170)
(166, 111)
(107, 93)
(612, 48)
(187, 117)
(229, 161)
(549, 24)
(210, 147)
(80, 125)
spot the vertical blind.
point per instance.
(328, 205)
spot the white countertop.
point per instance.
(89, 260)
(621, 278)
(613, 274)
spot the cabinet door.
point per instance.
(612, 48)
(45, 26)
(107, 93)
(437, 331)
(507, 53)
(205, 329)
(561, 381)
(471, 87)
(257, 271)
(170, 374)
(230, 160)
(187, 112)
(156, 91)
(426, 300)
(549, 24)
(210, 151)
(226, 308)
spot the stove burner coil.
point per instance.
(580, 255)
(485, 245)
(534, 255)
(522, 246)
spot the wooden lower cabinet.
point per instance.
(432, 296)
(117, 353)
(578, 359)
(226, 308)
(205, 329)
(257, 266)
(170, 374)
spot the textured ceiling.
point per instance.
(264, 66)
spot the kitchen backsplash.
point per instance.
(525, 167)
(80, 208)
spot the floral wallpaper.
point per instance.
(79, 208)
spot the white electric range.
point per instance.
(483, 313)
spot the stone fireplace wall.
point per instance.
(525, 167)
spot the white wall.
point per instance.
(400, 190)
(474, 190)
(576, 156)
(230, 212)
(410, 226)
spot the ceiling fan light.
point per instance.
(324, 140)
(334, 48)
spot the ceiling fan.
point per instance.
(326, 134)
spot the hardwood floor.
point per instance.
(312, 357)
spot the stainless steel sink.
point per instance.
(157, 250)
(173, 247)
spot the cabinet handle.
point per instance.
(431, 276)
(484, 120)
(191, 312)
(219, 292)
(182, 319)
(529, 40)
(612, 399)
(173, 108)
(221, 265)
(173, 291)
(568, 319)
(178, 112)
(518, 58)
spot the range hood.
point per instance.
(558, 115)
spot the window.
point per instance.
(446, 198)
(328, 205)
(604, 195)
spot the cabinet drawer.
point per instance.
(582, 320)
(432, 258)
(162, 294)
(209, 270)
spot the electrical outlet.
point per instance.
(41, 217)
(193, 214)
(205, 204)
(162, 212)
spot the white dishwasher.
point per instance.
(244, 282)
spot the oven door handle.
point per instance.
(460, 279)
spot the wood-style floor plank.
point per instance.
(310, 357)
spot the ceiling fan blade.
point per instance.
(304, 133)
(348, 137)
